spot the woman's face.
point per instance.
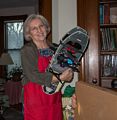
(37, 30)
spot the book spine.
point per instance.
(106, 13)
(113, 39)
(101, 14)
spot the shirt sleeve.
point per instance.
(30, 68)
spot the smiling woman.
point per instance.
(35, 57)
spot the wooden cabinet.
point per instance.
(92, 66)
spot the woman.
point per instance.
(35, 57)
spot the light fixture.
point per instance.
(6, 59)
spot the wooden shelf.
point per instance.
(108, 2)
(108, 78)
(108, 25)
(105, 52)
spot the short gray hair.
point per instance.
(28, 21)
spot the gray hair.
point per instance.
(28, 21)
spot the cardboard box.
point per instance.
(95, 103)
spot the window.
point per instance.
(11, 39)
(14, 40)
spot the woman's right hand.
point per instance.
(74, 101)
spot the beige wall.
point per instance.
(64, 17)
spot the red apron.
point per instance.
(39, 105)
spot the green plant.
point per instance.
(15, 73)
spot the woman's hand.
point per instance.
(67, 75)
(74, 101)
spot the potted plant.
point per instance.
(15, 74)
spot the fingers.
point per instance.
(70, 74)
(74, 101)
(67, 75)
(69, 71)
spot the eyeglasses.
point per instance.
(37, 28)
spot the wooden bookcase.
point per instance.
(108, 42)
(92, 67)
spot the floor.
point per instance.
(12, 113)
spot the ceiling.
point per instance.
(16, 3)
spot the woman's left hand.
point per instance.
(67, 75)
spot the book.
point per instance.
(113, 15)
(101, 13)
(106, 13)
(113, 38)
(106, 41)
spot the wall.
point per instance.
(19, 7)
(18, 11)
(64, 17)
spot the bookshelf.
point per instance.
(100, 50)
(108, 42)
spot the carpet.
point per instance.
(12, 114)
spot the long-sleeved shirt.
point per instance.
(29, 59)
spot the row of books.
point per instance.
(104, 13)
(108, 38)
(109, 65)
